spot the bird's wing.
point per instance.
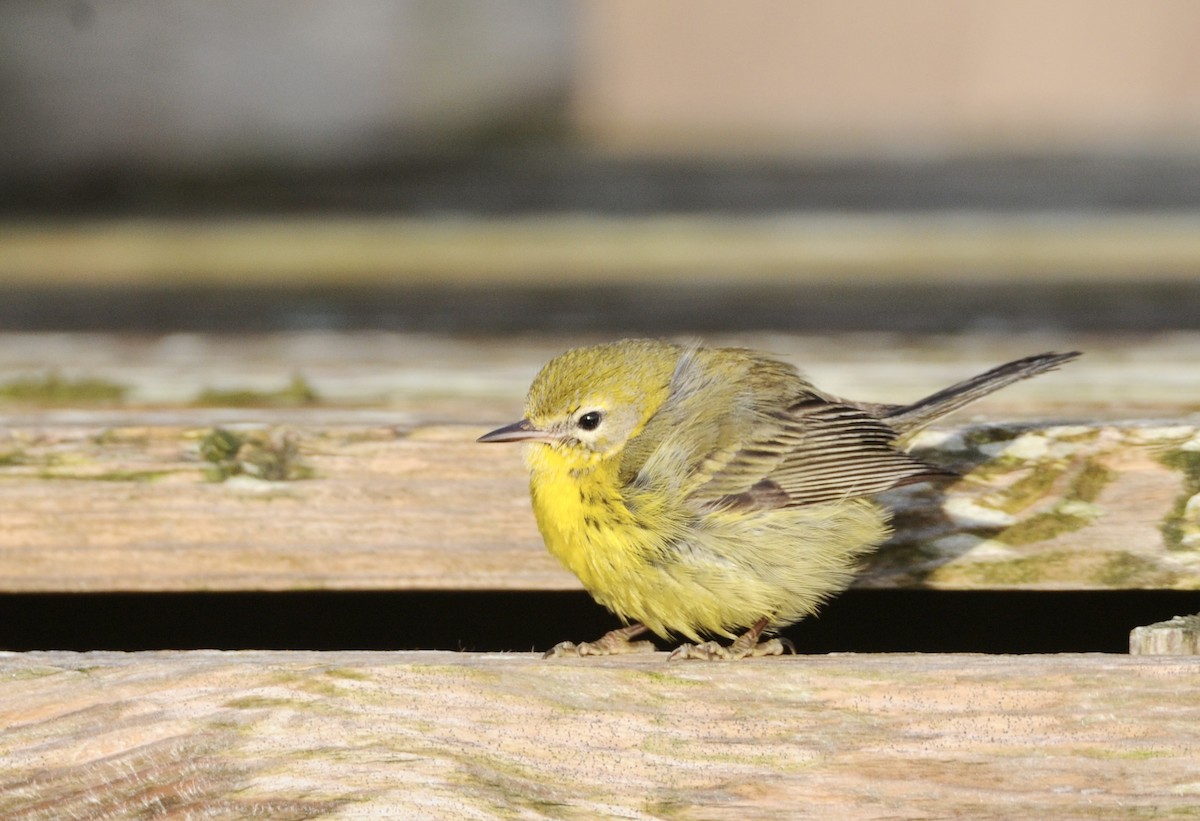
(814, 452)
(699, 427)
(763, 439)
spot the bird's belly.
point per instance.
(716, 574)
(669, 584)
(617, 556)
(628, 571)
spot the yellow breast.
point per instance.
(584, 520)
(628, 561)
(675, 574)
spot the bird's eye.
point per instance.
(590, 420)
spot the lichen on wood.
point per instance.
(1070, 506)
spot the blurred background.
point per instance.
(599, 165)
(388, 213)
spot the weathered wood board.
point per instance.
(550, 248)
(135, 508)
(1179, 636)
(106, 488)
(444, 735)
(422, 379)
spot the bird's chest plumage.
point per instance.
(636, 556)
(585, 522)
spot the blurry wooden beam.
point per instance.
(548, 249)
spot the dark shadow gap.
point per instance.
(1145, 304)
(538, 176)
(874, 621)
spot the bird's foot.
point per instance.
(612, 643)
(710, 650)
(746, 645)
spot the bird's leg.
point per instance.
(612, 643)
(746, 645)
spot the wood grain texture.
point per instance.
(426, 508)
(443, 735)
(424, 379)
(106, 489)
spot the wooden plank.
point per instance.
(100, 508)
(104, 489)
(440, 735)
(546, 249)
(421, 379)
(1178, 637)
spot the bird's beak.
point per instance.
(522, 431)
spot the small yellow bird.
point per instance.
(713, 491)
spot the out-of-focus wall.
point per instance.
(276, 83)
(204, 85)
(870, 76)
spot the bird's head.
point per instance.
(589, 402)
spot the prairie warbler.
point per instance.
(713, 491)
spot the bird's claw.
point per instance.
(711, 650)
(612, 643)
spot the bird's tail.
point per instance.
(908, 418)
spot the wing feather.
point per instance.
(753, 434)
(825, 451)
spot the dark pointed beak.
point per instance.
(521, 431)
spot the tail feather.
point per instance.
(908, 418)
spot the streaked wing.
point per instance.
(814, 452)
(752, 433)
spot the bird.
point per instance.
(713, 492)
